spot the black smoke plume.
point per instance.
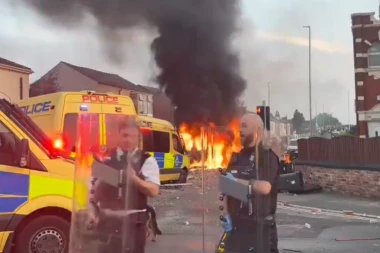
(199, 71)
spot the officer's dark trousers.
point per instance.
(252, 236)
(135, 241)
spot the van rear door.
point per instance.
(91, 108)
(114, 109)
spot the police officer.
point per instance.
(142, 181)
(254, 232)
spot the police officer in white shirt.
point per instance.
(143, 181)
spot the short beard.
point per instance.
(248, 141)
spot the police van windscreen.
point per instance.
(152, 140)
(18, 116)
(89, 121)
(293, 143)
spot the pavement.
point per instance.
(332, 202)
(313, 223)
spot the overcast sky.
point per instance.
(273, 47)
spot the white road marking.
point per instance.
(325, 213)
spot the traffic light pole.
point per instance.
(311, 129)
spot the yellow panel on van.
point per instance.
(57, 112)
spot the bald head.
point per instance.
(251, 129)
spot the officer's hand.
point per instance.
(227, 223)
(93, 219)
(132, 176)
(131, 173)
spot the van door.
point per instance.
(161, 143)
(111, 129)
(14, 180)
(178, 151)
(157, 143)
(112, 113)
(75, 105)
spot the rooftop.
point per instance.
(107, 78)
(13, 64)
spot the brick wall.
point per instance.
(365, 32)
(361, 183)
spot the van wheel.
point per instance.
(48, 234)
(182, 177)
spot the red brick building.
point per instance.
(366, 40)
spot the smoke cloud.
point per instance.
(199, 70)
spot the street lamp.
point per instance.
(309, 28)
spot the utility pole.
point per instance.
(311, 129)
(348, 110)
(269, 93)
(323, 119)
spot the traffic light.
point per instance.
(264, 113)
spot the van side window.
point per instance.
(177, 145)
(69, 131)
(161, 142)
(155, 141)
(147, 140)
(7, 146)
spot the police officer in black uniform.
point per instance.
(256, 231)
(142, 181)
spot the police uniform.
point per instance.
(107, 197)
(256, 232)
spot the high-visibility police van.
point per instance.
(57, 115)
(36, 186)
(162, 141)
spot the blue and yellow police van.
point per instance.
(57, 115)
(162, 141)
(36, 186)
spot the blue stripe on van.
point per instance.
(178, 161)
(10, 204)
(14, 184)
(160, 157)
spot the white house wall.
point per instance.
(10, 85)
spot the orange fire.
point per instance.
(218, 143)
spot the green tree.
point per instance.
(297, 121)
(353, 130)
(326, 119)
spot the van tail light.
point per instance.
(58, 144)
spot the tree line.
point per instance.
(322, 122)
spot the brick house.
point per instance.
(14, 80)
(68, 77)
(366, 40)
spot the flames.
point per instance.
(211, 144)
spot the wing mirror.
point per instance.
(24, 152)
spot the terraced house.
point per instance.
(14, 80)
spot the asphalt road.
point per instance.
(188, 218)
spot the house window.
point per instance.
(150, 109)
(374, 55)
(140, 106)
(21, 87)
